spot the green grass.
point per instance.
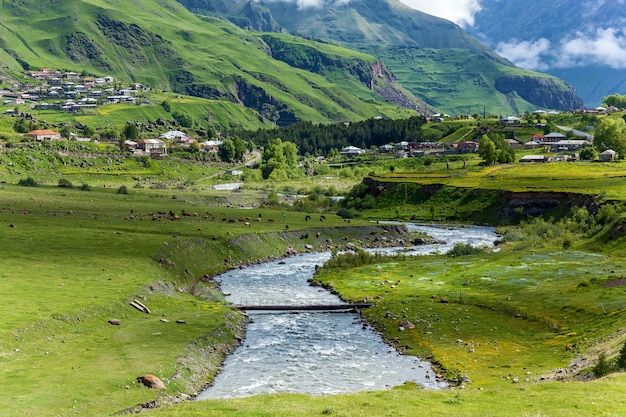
(549, 400)
(579, 178)
(77, 259)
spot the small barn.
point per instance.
(608, 156)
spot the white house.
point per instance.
(352, 151)
(608, 155)
(175, 136)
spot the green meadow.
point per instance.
(75, 260)
(517, 331)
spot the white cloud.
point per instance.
(604, 47)
(460, 12)
(306, 4)
(526, 54)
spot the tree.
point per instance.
(603, 366)
(21, 125)
(194, 146)
(88, 131)
(290, 150)
(109, 134)
(493, 147)
(66, 132)
(588, 153)
(610, 133)
(226, 151)
(487, 150)
(240, 148)
(130, 132)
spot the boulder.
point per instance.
(151, 381)
(407, 325)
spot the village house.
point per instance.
(352, 151)
(514, 143)
(45, 134)
(130, 145)
(608, 156)
(568, 145)
(154, 147)
(553, 137)
(385, 148)
(510, 120)
(175, 136)
(535, 159)
(467, 147)
(211, 145)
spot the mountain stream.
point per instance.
(317, 352)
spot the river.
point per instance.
(317, 352)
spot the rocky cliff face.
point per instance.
(550, 93)
(374, 75)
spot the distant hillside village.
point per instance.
(152, 147)
(73, 92)
(68, 91)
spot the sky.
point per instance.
(460, 12)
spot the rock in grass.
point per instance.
(407, 325)
(151, 381)
(114, 322)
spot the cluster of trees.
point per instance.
(320, 139)
(610, 133)
(493, 148)
(280, 160)
(232, 150)
(615, 100)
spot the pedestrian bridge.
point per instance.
(312, 307)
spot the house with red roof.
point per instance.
(44, 134)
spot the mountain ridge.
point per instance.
(428, 55)
(146, 42)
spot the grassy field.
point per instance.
(77, 258)
(579, 177)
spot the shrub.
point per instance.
(603, 366)
(65, 183)
(122, 190)
(85, 187)
(464, 249)
(28, 182)
(347, 213)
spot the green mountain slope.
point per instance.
(165, 46)
(434, 58)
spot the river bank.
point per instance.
(184, 261)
